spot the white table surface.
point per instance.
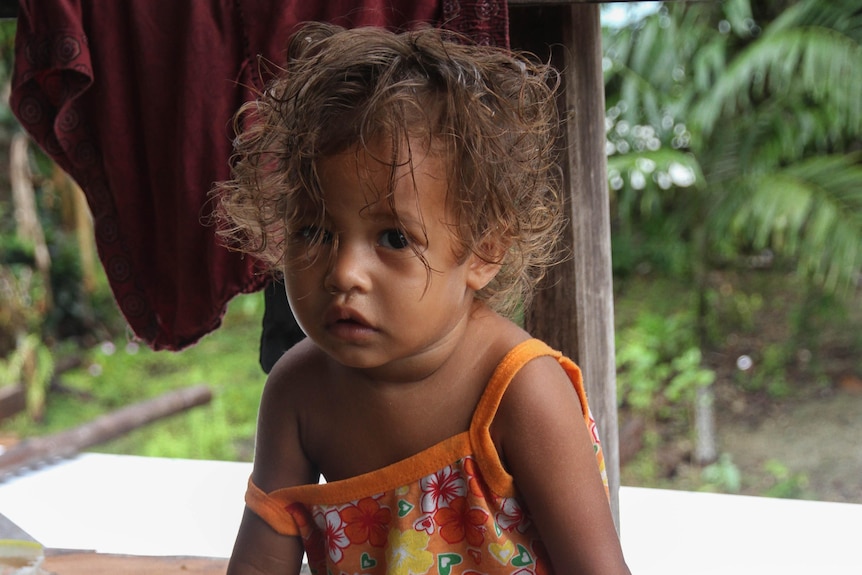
(130, 505)
(163, 507)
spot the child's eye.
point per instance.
(314, 235)
(394, 239)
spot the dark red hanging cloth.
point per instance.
(134, 98)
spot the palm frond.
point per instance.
(818, 63)
(843, 16)
(811, 210)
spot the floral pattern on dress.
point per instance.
(367, 521)
(512, 515)
(447, 523)
(408, 553)
(332, 526)
(440, 488)
(460, 522)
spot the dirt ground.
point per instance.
(817, 440)
(802, 448)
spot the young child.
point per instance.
(408, 187)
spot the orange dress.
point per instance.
(449, 510)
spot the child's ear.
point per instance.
(481, 272)
(484, 269)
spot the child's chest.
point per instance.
(368, 431)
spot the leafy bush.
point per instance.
(723, 476)
(659, 365)
(786, 484)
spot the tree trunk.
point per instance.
(705, 450)
(29, 228)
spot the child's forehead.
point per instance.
(381, 166)
(411, 182)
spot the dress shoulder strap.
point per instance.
(489, 403)
(505, 371)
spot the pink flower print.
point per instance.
(458, 522)
(367, 521)
(333, 533)
(512, 515)
(440, 488)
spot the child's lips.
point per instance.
(342, 314)
(347, 323)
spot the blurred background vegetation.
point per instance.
(735, 171)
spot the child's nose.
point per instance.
(348, 269)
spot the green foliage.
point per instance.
(761, 110)
(7, 46)
(756, 107)
(790, 336)
(812, 211)
(821, 318)
(807, 57)
(733, 310)
(31, 365)
(723, 476)
(786, 484)
(653, 247)
(658, 363)
(21, 291)
(50, 307)
(14, 251)
(768, 371)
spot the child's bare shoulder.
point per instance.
(542, 381)
(298, 375)
(280, 459)
(541, 391)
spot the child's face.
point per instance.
(363, 295)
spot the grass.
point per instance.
(117, 373)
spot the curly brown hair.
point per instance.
(491, 113)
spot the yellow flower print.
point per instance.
(408, 554)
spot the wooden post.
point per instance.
(573, 310)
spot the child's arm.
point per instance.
(279, 461)
(547, 449)
(259, 550)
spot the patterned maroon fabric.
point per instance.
(134, 98)
(484, 21)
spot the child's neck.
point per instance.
(445, 360)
